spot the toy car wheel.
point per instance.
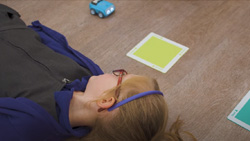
(100, 15)
(92, 11)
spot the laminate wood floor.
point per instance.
(203, 87)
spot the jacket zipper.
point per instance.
(64, 80)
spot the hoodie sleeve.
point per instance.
(22, 119)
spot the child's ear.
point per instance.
(106, 103)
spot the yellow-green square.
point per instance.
(158, 52)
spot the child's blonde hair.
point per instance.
(142, 119)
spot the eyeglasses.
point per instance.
(120, 73)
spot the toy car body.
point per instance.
(102, 8)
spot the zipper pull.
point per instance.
(65, 80)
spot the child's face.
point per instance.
(99, 84)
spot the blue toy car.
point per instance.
(102, 8)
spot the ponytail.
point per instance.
(174, 133)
